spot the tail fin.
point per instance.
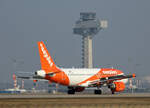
(47, 62)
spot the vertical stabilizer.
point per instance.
(47, 62)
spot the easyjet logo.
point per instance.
(109, 72)
(46, 56)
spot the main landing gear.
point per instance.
(71, 90)
(98, 91)
(112, 88)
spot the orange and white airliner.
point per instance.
(77, 79)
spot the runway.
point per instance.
(75, 101)
(53, 96)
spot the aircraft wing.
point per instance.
(108, 80)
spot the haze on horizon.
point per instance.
(123, 45)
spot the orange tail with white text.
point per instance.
(47, 63)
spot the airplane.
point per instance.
(77, 79)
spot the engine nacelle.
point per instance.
(118, 86)
(40, 73)
(79, 89)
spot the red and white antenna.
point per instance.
(22, 84)
(130, 85)
(57, 86)
(15, 81)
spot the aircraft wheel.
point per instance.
(112, 92)
(98, 92)
(71, 91)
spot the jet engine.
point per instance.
(117, 86)
(79, 89)
(40, 73)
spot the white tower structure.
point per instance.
(88, 26)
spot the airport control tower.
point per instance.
(88, 26)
